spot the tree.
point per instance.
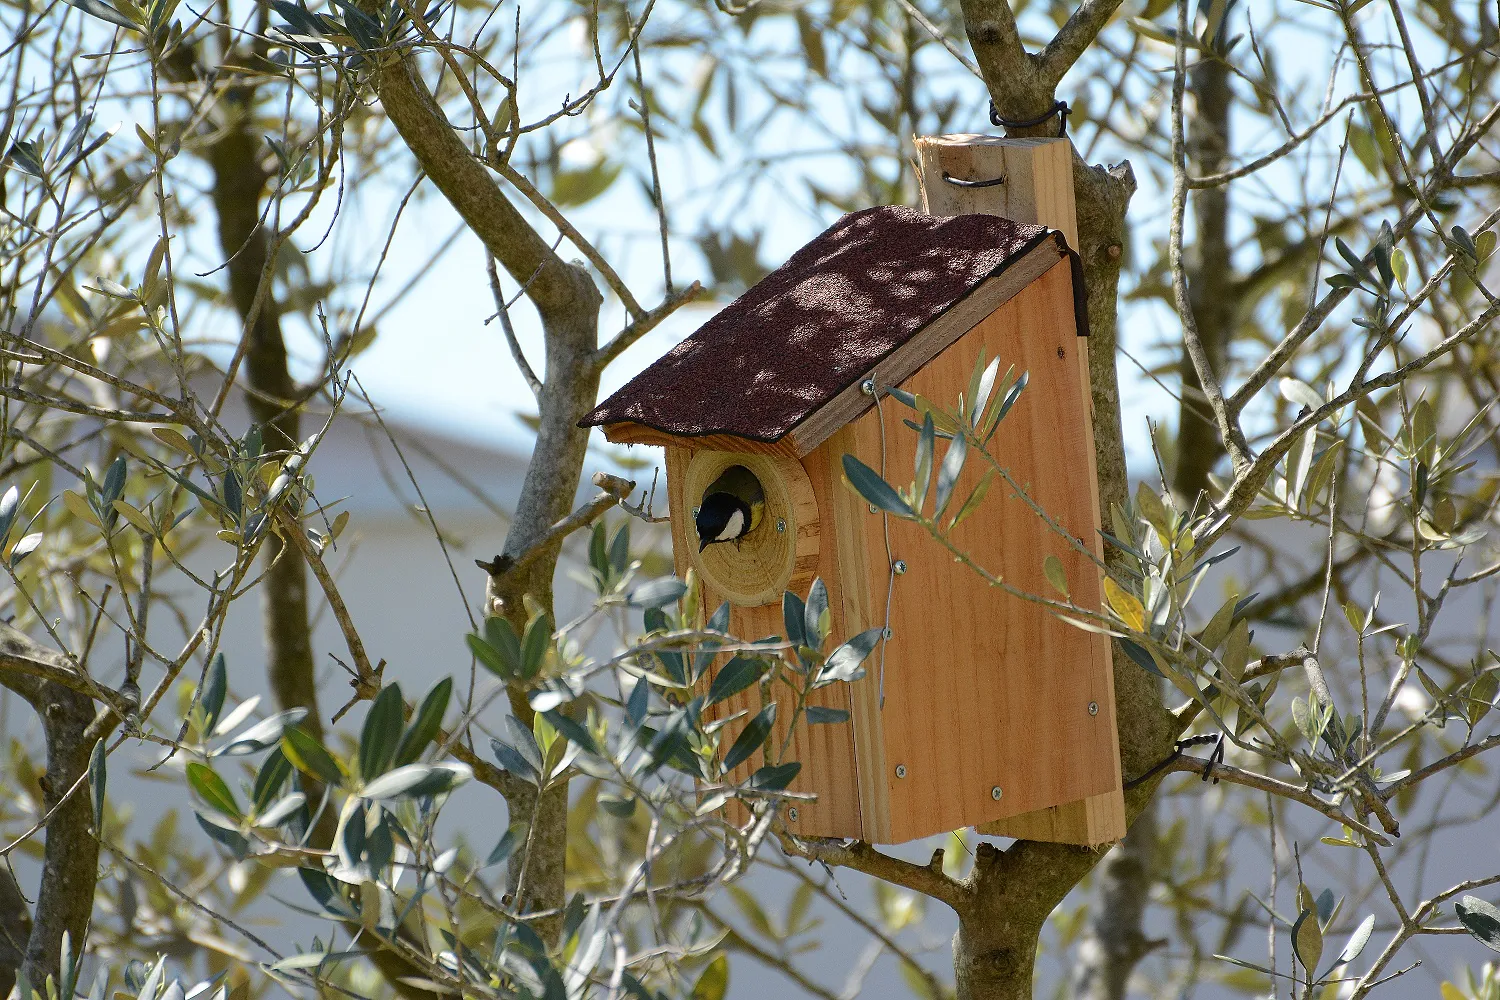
(103, 387)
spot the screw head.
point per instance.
(900, 770)
(898, 567)
(867, 387)
(1093, 708)
(886, 634)
(791, 814)
(995, 793)
(874, 509)
(781, 524)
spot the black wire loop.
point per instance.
(1178, 748)
(960, 182)
(1059, 108)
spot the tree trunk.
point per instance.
(239, 182)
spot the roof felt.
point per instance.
(812, 327)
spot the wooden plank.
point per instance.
(985, 690)
(826, 752)
(1037, 188)
(846, 571)
(1038, 185)
(927, 344)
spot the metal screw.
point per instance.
(898, 567)
(791, 814)
(867, 387)
(995, 793)
(1093, 708)
(781, 524)
(873, 509)
(886, 634)
(900, 770)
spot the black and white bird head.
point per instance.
(723, 517)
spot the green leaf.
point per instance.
(104, 12)
(656, 593)
(535, 645)
(818, 715)
(212, 790)
(815, 615)
(1052, 567)
(868, 484)
(734, 677)
(751, 738)
(273, 773)
(491, 659)
(975, 499)
(793, 618)
(952, 468)
(416, 780)
(1307, 940)
(922, 464)
(98, 773)
(713, 983)
(574, 731)
(775, 777)
(425, 723)
(1481, 920)
(506, 846)
(844, 663)
(215, 686)
(1357, 941)
(1141, 656)
(382, 732)
(310, 756)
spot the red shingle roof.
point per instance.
(813, 326)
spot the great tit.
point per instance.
(731, 509)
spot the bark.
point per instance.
(1114, 941)
(239, 183)
(70, 859)
(1210, 278)
(567, 301)
(15, 929)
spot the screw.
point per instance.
(1093, 708)
(791, 814)
(781, 524)
(898, 567)
(1061, 353)
(867, 387)
(995, 793)
(886, 634)
(900, 770)
(873, 509)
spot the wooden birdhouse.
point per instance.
(994, 712)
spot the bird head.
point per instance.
(722, 517)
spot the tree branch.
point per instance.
(1073, 38)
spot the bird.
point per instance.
(731, 508)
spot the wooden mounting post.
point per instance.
(1031, 181)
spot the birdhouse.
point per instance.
(980, 707)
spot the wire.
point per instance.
(885, 524)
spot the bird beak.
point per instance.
(703, 544)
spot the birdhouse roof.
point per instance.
(854, 301)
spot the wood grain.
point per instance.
(629, 432)
(826, 751)
(1038, 189)
(778, 554)
(984, 690)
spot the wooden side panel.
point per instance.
(987, 695)
(825, 751)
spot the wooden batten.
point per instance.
(1037, 187)
(629, 432)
